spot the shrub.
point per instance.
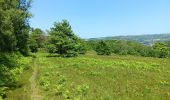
(33, 46)
(2, 92)
(45, 83)
(103, 49)
(9, 67)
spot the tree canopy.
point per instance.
(36, 39)
(14, 34)
(63, 41)
(14, 26)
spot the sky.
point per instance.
(101, 18)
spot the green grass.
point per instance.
(104, 78)
(92, 77)
(22, 90)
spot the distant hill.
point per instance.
(145, 39)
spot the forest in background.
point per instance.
(148, 40)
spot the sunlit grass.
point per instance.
(104, 77)
(93, 77)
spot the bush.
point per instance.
(45, 83)
(103, 49)
(2, 92)
(9, 71)
(125, 47)
(9, 68)
(33, 47)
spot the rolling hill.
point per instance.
(145, 39)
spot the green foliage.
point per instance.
(45, 83)
(1, 98)
(61, 80)
(33, 46)
(10, 70)
(75, 93)
(14, 25)
(103, 49)
(51, 48)
(123, 47)
(60, 86)
(63, 41)
(91, 77)
(14, 28)
(36, 39)
(21, 88)
(82, 47)
(2, 92)
(163, 48)
(82, 90)
(144, 39)
(38, 36)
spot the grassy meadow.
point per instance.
(93, 77)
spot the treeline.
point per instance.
(61, 40)
(14, 34)
(144, 39)
(125, 47)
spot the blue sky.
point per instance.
(100, 18)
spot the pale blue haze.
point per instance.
(100, 18)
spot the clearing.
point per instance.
(92, 77)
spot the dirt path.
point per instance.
(35, 91)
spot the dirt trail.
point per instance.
(35, 90)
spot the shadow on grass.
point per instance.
(53, 55)
(13, 86)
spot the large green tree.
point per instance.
(63, 41)
(14, 26)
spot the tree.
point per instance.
(14, 29)
(36, 39)
(82, 46)
(14, 26)
(103, 49)
(39, 36)
(33, 46)
(164, 50)
(63, 41)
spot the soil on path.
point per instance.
(35, 90)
